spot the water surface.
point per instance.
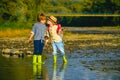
(80, 67)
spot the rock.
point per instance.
(15, 51)
(29, 52)
(91, 68)
(83, 62)
(6, 55)
(6, 51)
(21, 55)
(105, 69)
(11, 51)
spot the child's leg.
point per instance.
(38, 48)
(34, 59)
(36, 51)
(54, 49)
(41, 46)
(40, 59)
(60, 46)
(54, 52)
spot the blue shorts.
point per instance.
(38, 47)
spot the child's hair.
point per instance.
(41, 16)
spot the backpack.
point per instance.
(59, 28)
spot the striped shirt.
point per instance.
(39, 31)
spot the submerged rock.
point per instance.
(92, 68)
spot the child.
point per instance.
(38, 31)
(54, 32)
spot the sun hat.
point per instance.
(52, 18)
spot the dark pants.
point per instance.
(38, 47)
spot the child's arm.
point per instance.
(46, 40)
(30, 38)
(32, 34)
(46, 37)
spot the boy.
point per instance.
(54, 32)
(38, 32)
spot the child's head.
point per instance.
(51, 20)
(41, 18)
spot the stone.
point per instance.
(6, 51)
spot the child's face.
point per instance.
(43, 21)
(49, 22)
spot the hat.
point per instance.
(53, 19)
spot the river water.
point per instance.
(79, 67)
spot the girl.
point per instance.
(54, 31)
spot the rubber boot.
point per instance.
(34, 59)
(55, 59)
(64, 59)
(39, 59)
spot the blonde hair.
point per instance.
(40, 17)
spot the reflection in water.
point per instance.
(40, 72)
(22, 69)
(59, 75)
(37, 71)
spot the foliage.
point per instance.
(23, 11)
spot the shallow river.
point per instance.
(79, 67)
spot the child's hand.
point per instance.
(46, 43)
(30, 40)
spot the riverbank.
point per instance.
(73, 42)
(23, 33)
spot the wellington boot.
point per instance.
(39, 59)
(34, 59)
(64, 59)
(55, 59)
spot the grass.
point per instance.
(13, 30)
(14, 33)
(71, 36)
